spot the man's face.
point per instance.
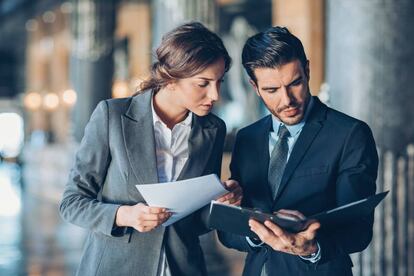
(284, 90)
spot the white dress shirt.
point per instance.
(171, 147)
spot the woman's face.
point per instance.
(199, 92)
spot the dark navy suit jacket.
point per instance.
(333, 162)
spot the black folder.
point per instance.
(234, 219)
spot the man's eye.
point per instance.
(203, 84)
(297, 82)
(271, 91)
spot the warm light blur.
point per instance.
(69, 97)
(51, 101)
(32, 101)
(120, 89)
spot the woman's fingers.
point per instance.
(155, 217)
(149, 217)
(234, 195)
(231, 184)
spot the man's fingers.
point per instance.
(310, 232)
(258, 228)
(274, 228)
(314, 226)
(294, 213)
(265, 234)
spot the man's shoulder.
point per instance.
(328, 115)
(341, 120)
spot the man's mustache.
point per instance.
(283, 108)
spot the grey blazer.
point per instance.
(116, 153)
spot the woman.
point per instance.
(164, 133)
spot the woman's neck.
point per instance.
(166, 108)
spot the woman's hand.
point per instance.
(141, 217)
(235, 194)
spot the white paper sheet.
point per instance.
(182, 197)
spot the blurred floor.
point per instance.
(33, 238)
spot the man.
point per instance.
(302, 159)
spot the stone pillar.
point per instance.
(168, 14)
(91, 63)
(369, 72)
(370, 65)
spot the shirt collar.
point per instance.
(155, 118)
(293, 129)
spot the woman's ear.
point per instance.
(171, 86)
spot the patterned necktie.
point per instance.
(278, 160)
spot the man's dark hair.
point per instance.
(272, 48)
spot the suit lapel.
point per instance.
(305, 139)
(138, 131)
(261, 163)
(200, 145)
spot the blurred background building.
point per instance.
(58, 59)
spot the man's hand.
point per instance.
(302, 243)
(235, 194)
(141, 217)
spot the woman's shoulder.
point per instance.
(118, 105)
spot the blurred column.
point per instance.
(167, 14)
(370, 65)
(305, 19)
(133, 34)
(91, 63)
(369, 72)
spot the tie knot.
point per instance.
(283, 132)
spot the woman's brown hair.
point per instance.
(184, 52)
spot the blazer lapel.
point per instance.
(305, 139)
(262, 163)
(138, 131)
(200, 145)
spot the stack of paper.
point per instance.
(183, 197)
